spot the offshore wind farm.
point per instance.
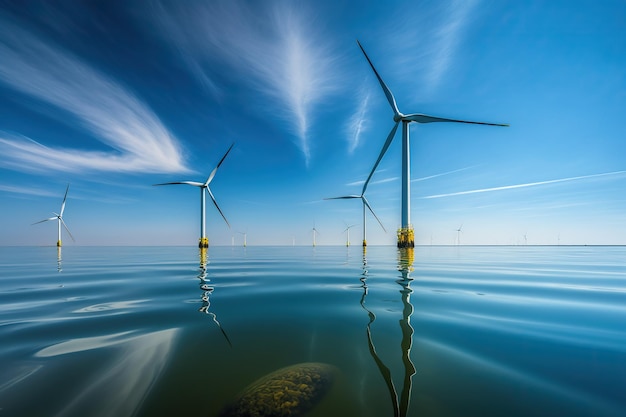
(502, 291)
(309, 120)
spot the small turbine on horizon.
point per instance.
(204, 242)
(405, 233)
(315, 232)
(458, 234)
(245, 240)
(365, 204)
(348, 234)
(59, 218)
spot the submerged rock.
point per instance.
(290, 391)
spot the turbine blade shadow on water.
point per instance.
(207, 290)
(401, 406)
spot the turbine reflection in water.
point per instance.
(405, 262)
(207, 290)
(59, 263)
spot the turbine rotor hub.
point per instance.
(398, 117)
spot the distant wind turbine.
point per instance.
(458, 234)
(315, 232)
(59, 218)
(405, 234)
(348, 234)
(365, 204)
(204, 242)
(245, 240)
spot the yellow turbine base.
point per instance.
(406, 238)
(364, 243)
(204, 242)
(58, 243)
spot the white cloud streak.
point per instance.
(441, 175)
(383, 181)
(113, 115)
(530, 184)
(446, 37)
(357, 123)
(278, 50)
(424, 42)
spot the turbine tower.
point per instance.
(204, 242)
(406, 237)
(458, 235)
(59, 218)
(366, 204)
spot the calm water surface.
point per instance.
(442, 331)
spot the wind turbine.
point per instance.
(315, 232)
(405, 233)
(204, 242)
(348, 234)
(245, 235)
(59, 218)
(365, 204)
(458, 234)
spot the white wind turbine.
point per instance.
(365, 204)
(405, 234)
(315, 232)
(348, 234)
(458, 234)
(245, 236)
(59, 218)
(204, 242)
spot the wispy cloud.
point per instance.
(424, 41)
(446, 38)
(357, 123)
(529, 184)
(275, 46)
(105, 109)
(383, 181)
(38, 192)
(441, 174)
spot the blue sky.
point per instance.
(112, 97)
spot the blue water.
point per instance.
(442, 331)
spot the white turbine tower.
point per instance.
(365, 204)
(405, 234)
(59, 218)
(348, 234)
(204, 242)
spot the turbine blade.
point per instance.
(343, 198)
(367, 204)
(45, 220)
(423, 118)
(64, 198)
(386, 90)
(68, 230)
(382, 153)
(208, 181)
(194, 183)
(216, 206)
